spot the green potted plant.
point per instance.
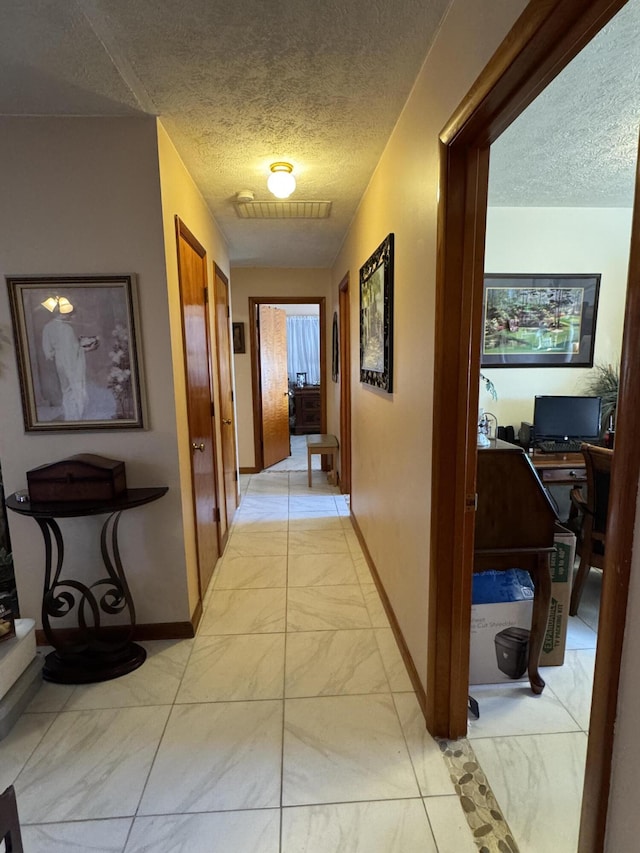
(603, 382)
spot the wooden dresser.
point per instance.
(307, 410)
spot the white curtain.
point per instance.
(303, 347)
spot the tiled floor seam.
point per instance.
(489, 827)
(284, 666)
(567, 709)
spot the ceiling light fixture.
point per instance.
(281, 182)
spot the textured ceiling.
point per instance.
(241, 84)
(576, 145)
(238, 85)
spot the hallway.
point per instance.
(288, 724)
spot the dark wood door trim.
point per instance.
(254, 343)
(217, 272)
(543, 41)
(625, 476)
(345, 386)
(182, 232)
(458, 305)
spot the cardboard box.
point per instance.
(555, 639)
(491, 619)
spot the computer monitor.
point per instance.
(566, 417)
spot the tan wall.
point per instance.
(248, 281)
(558, 240)
(81, 196)
(181, 197)
(391, 433)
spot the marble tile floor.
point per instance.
(532, 749)
(287, 725)
(298, 459)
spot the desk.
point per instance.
(90, 652)
(559, 473)
(515, 528)
(559, 469)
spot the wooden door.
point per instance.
(192, 274)
(225, 384)
(274, 385)
(345, 389)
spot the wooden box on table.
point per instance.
(84, 477)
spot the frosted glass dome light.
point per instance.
(281, 182)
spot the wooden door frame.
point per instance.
(218, 272)
(254, 342)
(345, 385)
(198, 248)
(543, 41)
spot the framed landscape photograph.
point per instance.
(539, 320)
(376, 317)
(77, 351)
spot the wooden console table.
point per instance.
(91, 652)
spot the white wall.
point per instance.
(392, 433)
(558, 240)
(247, 282)
(81, 196)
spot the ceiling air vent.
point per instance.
(283, 209)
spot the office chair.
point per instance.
(589, 517)
(9, 823)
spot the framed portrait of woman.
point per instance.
(77, 351)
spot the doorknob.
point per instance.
(199, 447)
(226, 421)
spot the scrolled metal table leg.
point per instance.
(96, 652)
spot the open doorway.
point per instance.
(288, 339)
(548, 238)
(544, 41)
(344, 375)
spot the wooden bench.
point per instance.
(327, 445)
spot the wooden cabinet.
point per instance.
(307, 410)
(515, 528)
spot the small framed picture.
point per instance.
(77, 350)
(238, 338)
(335, 349)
